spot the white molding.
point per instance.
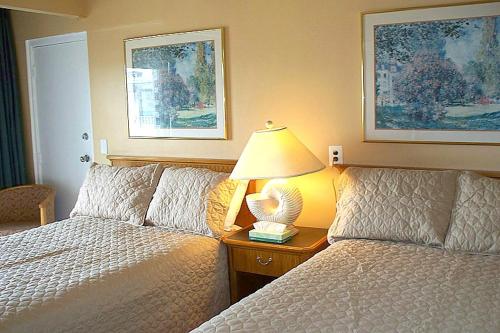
(31, 44)
(58, 39)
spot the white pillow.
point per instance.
(394, 204)
(475, 221)
(196, 200)
(119, 193)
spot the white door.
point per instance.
(60, 114)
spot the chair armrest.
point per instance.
(47, 209)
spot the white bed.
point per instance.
(412, 251)
(102, 270)
(374, 286)
(91, 275)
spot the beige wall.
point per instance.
(297, 62)
(58, 7)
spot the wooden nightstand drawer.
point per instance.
(264, 262)
(254, 264)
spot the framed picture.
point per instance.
(432, 75)
(175, 86)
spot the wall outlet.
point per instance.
(335, 155)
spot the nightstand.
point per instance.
(254, 264)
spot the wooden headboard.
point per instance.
(244, 217)
(342, 167)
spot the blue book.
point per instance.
(267, 240)
(272, 237)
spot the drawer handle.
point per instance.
(264, 263)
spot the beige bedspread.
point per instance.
(374, 286)
(91, 275)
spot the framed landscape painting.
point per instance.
(432, 75)
(175, 86)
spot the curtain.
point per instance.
(12, 165)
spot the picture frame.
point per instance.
(175, 85)
(424, 75)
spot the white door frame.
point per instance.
(31, 44)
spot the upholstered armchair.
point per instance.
(25, 207)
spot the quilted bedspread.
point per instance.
(94, 275)
(374, 286)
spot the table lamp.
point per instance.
(275, 154)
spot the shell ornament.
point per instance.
(279, 202)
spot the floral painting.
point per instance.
(172, 87)
(437, 75)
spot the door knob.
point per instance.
(85, 136)
(84, 158)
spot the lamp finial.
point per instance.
(269, 124)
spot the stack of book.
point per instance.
(272, 235)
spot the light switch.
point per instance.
(104, 146)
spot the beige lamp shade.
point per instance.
(275, 153)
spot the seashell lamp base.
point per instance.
(279, 202)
